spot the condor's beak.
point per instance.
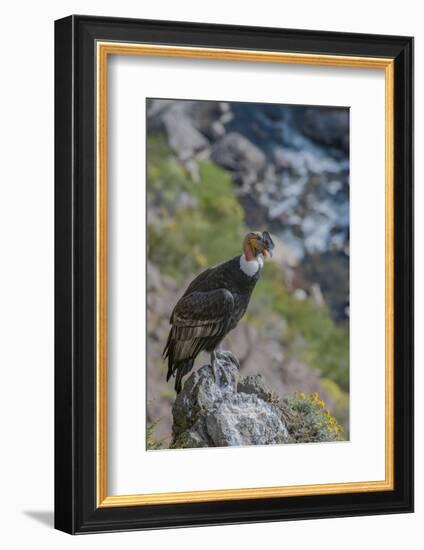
(268, 243)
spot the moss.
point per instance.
(182, 423)
(308, 419)
(167, 394)
(151, 442)
(182, 443)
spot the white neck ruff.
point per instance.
(251, 267)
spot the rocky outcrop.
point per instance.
(231, 410)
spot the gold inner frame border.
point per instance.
(103, 50)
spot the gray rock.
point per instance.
(183, 137)
(327, 126)
(231, 411)
(255, 385)
(236, 153)
(245, 420)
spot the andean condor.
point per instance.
(212, 305)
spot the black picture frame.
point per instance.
(76, 510)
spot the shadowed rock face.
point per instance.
(230, 411)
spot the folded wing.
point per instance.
(199, 321)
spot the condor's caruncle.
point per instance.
(212, 305)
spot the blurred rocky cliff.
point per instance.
(290, 169)
(215, 169)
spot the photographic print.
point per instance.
(247, 274)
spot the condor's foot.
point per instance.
(227, 356)
(215, 366)
(219, 362)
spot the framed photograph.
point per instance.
(234, 274)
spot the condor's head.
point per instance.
(257, 246)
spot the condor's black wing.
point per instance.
(199, 319)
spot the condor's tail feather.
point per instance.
(177, 368)
(180, 370)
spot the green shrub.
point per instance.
(308, 420)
